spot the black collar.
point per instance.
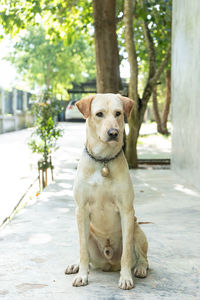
(102, 160)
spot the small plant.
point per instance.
(44, 138)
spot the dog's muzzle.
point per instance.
(113, 134)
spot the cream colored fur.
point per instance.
(109, 235)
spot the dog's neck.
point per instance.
(102, 152)
(104, 160)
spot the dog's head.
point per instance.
(105, 114)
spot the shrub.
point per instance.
(46, 133)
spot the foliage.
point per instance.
(64, 19)
(54, 48)
(158, 15)
(46, 133)
(49, 64)
(69, 20)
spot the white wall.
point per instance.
(19, 119)
(186, 89)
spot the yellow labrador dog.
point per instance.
(109, 235)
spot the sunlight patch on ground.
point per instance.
(40, 238)
(190, 192)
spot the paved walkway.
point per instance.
(18, 165)
(41, 239)
(17, 169)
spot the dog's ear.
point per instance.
(127, 104)
(84, 105)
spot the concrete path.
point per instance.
(42, 239)
(18, 165)
(17, 169)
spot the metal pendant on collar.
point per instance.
(105, 170)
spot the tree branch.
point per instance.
(150, 50)
(161, 68)
(150, 84)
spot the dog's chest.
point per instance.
(96, 180)
(102, 194)
(103, 210)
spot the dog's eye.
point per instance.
(118, 113)
(99, 114)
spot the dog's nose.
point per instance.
(113, 133)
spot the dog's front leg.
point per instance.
(82, 216)
(127, 221)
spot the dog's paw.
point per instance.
(140, 271)
(80, 280)
(72, 269)
(126, 283)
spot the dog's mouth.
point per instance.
(112, 139)
(109, 140)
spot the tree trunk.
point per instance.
(131, 143)
(156, 110)
(106, 47)
(167, 102)
(162, 122)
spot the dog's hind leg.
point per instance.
(140, 248)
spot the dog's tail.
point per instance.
(140, 223)
(145, 223)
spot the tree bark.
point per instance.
(131, 149)
(131, 50)
(167, 102)
(156, 110)
(162, 122)
(106, 46)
